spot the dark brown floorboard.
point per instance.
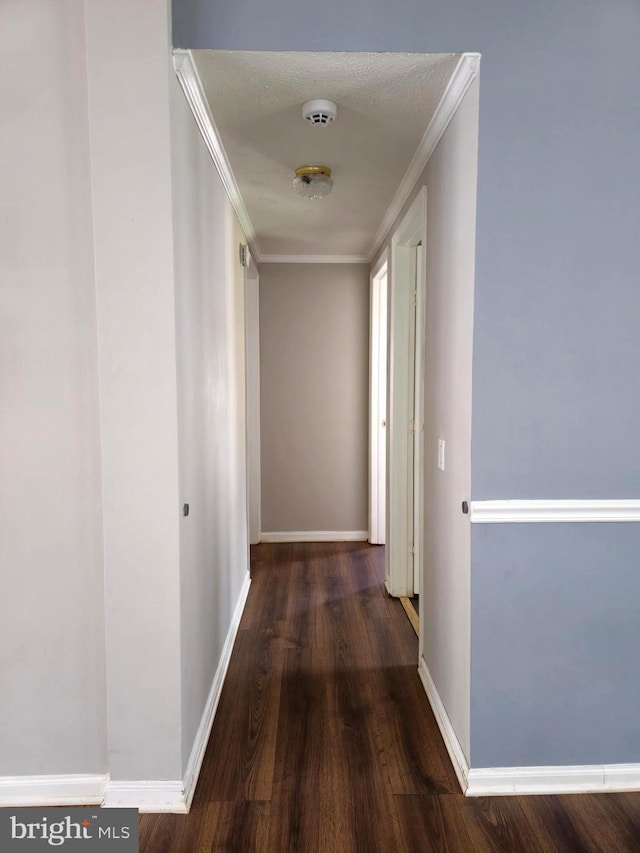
(324, 741)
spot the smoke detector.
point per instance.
(319, 113)
(313, 181)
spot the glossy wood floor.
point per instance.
(324, 739)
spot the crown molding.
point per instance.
(189, 79)
(500, 512)
(465, 73)
(191, 84)
(314, 259)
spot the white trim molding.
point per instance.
(378, 350)
(193, 89)
(67, 790)
(147, 796)
(316, 536)
(504, 781)
(204, 729)
(451, 741)
(500, 512)
(314, 259)
(587, 779)
(465, 73)
(405, 423)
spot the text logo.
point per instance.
(70, 829)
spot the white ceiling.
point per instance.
(385, 103)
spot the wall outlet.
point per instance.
(441, 454)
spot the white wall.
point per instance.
(51, 598)
(129, 73)
(252, 313)
(450, 258)
(450, 178)
(314, 368)
(209, 295)
(122, 362)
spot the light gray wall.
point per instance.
(123, 396)
(556, 399)
(314, 398)
(252, 335)
(132, 211)
(211, 419)
(51, 600)
(450, 178)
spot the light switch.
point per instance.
(441, 454)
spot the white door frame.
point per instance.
(405, 428)
(378, 349)
(252, 309)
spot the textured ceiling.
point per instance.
(385, 102)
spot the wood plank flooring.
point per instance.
(324, 741)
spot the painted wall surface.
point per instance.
(238, 364)
(556, 401)
(587, 670)
(314, 368)
(110, 342)
(133, 224)
(51, 603)
(211, 420)
(252, 294)
(450, 178)
(557, 298)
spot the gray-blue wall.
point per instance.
(555, 662)
(556, 396)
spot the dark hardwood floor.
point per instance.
(324, 739)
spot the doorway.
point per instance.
(378, 362)
(252, 308)
(406, 415)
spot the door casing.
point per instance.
(378, 352)
(405, 423)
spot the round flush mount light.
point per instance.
(319, 112)
(313, 181)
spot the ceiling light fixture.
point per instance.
(313, 181)
(319, 112)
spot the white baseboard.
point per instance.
(503, 781)
(622, 777)
(581, 779)
(147, 796)
(204, 729)
(316, 536)
(454, 748)
(68, 790)
(175, 796)
(313, 259)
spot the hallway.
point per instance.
(324, 739)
